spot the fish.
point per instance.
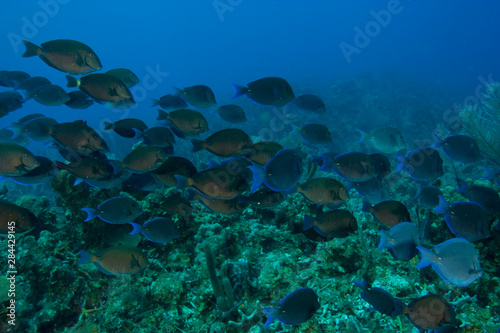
(113, 180)
(39, 175)
(232, 113)
(50, 95)
(159, 230)
(264, 198)
(387, 140)
(381, 164)
(126, 75)
(219, 206)
(372, 190)
(215, 183)
(104, 88)
(16, 160)
(78, 100)
(199, 95)
(170, 102)
(13, 79)
(128, 128)
(77, 136)
(144, 182)
(116, 210)
(33, 83)
(428, 196)
(176, 204)
(388, 213)
(430, 312)
(158, 136)
(185, 122)
(87, 168)
(281, 173)
(492, 175)
(487, 197)
(354, 166)
(37, 129)
(325, 161)
(118, 260)
(65, 55)
(460, 148)
(295, 309)
(24, 220)
(380, 299)
(422, 164)
(314, 134)
(10, 101)
(229, 142)
(262, 152)
(465, 219)
(324, 191)
(144, 159)
(456, 261)
(401, 241)
(337, 223)
(310, 105)
(174, 165)
(7, 135)
(273, 91)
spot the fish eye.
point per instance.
(26, 155)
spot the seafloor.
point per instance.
(263, 253)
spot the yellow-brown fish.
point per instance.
(337, 223)
(388, 213)
(185, 122)
(119, 260)
(324, 191)
(77, 136)
(172, 166)
(144, 158)
(15, 160)
(229, 142)
(65, 55)
(262, 152)
(15, 218)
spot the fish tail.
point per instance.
(399, 308)
(91, 213)
(489, 174)
(463, 186)
(85, 257)
(239, 90)
(108, 126)
(443, 207)
(198, 145)
(438, 142)
(401, 162)
(78, 181)
(428, 257)
(162, 115)
(295, 130)
(61, 165)
(183, 181)
(31, 49)
(16, 130)
(308, 222)
(155, 102)
(384, 239)
(272, 315)
(363, 285)
(72, 82)
(366, 206)
(259, 176)
(137, 228)
(364, 136)
(138, 133)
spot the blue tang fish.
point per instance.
(460, 148)
(380, 299)
(117, 210)
(159, 230)
(455, 260)
(295, 309)
(423, 164)
(485, 196)
(401, 241)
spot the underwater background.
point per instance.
(426, 68)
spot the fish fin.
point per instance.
(399, 308)
(72, 82)
(198, 145)
(155, 102)
(366, 206)
(178, 91)
(401, 162)
(85, 257)
(138, 134)
(137, 228)
(384, 239)
(463, 186)
(364, 136)
(61, 165)
(91, 213)
(16, 130)
(308, 222)
(212, 164)
(428, 257)
(259, 175)
(183, 181)
(239, 90)
(177, 132)
(443, 207)
(108, 126)
(489, 173)
(295, 129)
(272, 315)
(438, 142)
(363, 285)
(78, 181)
(31, 49)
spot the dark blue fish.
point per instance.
(428, 196)
(465, 219)
(380, 300)
(460, 148)
(33, 83)
(401, 241)
(295, 309)
(111, 181)
(158, 136)
(232, 113)
(310, 105)
(381, 164)
(170, 102)
(491, 174)
(423, 164)
(455, 260)
(314, 134)
(117, 210)
(485, 196)
(144, 181)
(354, 166)
(281, 173)
(325, 161)
(372, 190)
(159, 230)
(267, 91)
